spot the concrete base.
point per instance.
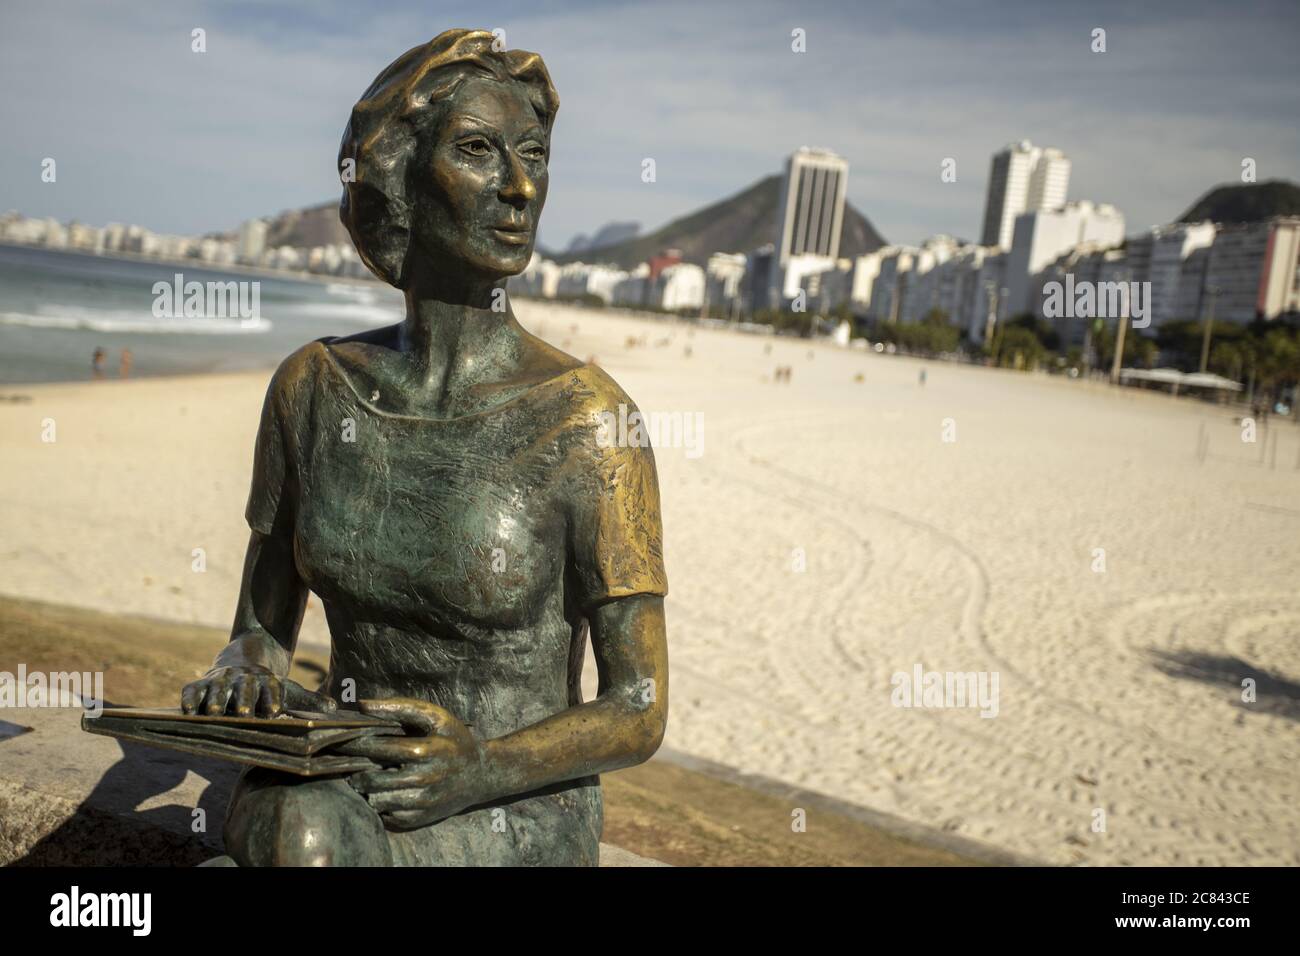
(69, 798)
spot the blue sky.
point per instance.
(145, 131)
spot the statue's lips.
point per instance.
(511, 235)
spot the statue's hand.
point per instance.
(247, 691)
(442, 769)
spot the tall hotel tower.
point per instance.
(811, 210)
(1023, 178)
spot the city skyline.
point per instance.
(1150, 124)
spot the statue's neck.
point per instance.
(454, 337)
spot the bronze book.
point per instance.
(296, 741)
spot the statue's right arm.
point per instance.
(250, 675)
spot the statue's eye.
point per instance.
(476, 146)
(534, 151)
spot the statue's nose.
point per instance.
(518, 189)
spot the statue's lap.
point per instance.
(282, 819)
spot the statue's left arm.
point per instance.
(445, 769)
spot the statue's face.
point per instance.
(480, 191)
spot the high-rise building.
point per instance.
(811, 211)
(252, 241)
(1022, 178)
(1050, 180)
(810, 215)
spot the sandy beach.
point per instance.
(827, 535)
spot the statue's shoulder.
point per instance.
(596, 404)
(297, 375)
(588, 388)
(598, 392)
(301, 366)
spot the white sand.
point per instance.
(1117, 689)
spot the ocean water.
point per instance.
(57, 308)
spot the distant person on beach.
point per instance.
(97, 362)
(124, 365)
(923, 378)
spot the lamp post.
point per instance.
(991, 320)
(1213, 293)
(1120, 333)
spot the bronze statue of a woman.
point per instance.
(444, 487)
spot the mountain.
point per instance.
(606, 235)
(313, 226)
(1247, 202)
(741, 223)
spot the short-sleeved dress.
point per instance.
(457, 561)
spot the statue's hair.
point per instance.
(381, 137)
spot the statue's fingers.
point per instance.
(270, 701)
(192, 697)
(416, 716)
(297, 697)
(393, 749)
(405, 819)
(396, 800)
(246, 690)
(377, 781)
(219, 691)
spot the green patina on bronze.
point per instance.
(443, 486)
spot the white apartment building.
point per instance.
(55, 234)
(679, 286)
(252, 241)
(1042, 236)
(725, 278)
(217, 251)
(579, 279)
(889, 291)
(835, 286)
(959, 289)
(798, 273)
(540, 279)
(925, 280)
(866, 269)
(1170, 249)
(1253, 271)
(632, 291)
(988, 305)
(1086, 262)
(1022, 178)
(114, 235)
(285, 257)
